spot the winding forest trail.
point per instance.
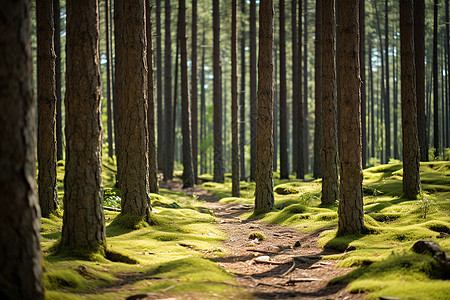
(287, 264)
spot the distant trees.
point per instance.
(283, 149)
(20, 253)
(318, 84)
(253, 90)
(194, 92)
(234, 102)
(168, 128)
(264, 197)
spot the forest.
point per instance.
(239, 149)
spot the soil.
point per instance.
(287, 264)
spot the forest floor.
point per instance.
(286, 264)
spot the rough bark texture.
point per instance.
(295, 82)
(362, 59)
(435, 82)
(330, 167)
(253, 90)
(350, 211)
(83, 220)
(109, 112)
(131, 102)
(305, 145)
(20, 252)
(57, 39)
(317, 167)
(419, 47)
(194, 92)
(242, 94)
(234, 103)
(159, 90)
(299, 114)
(151, 122)
(411, 177)
(264, 198)
(284, 162)
(168, 128)
(218, 147)
(46, 97)
(188, 173)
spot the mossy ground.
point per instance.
(386, 265)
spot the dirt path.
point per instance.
(287, 264)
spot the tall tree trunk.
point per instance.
(284, 162)
(435, 83)
(46, 98)
(159, 85)
(419, 47)
(131, 96)
(305, 154)
(203, 162)
(234, 103)
(188, 173)
(395, 91)
(20, 251)
(299, 112)
(264, 198)
(168, 128)
(152, 162)
(108, 83)
(350, 211)
(362, 60)
(447, 46)
(175, 115)
(275, 111)
(253, 90)
(194, 92)
(57, 39)
(330, 160)
(242, 94)
(387, 103)
(295, 89)
(218, 142)
(411, 177)
(317, 170)
(372, 102)
(83, 220)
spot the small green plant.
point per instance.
(426, 202)
(111, 199)
(256, 235)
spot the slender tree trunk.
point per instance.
(387, 102)
(275, 111)
(264, 197)
(447, 45)
(395, 90)
(218, 142)
(159, 85)
(203, 162)
(350, 211)
(284, 162)
(435, 83)
(46, 98)
(242, 93)
(295, 82)
(151, 122)
(372, 104)
(362, 59)
(330, 167)
(168, 110)
(194, 92)
(20, 251)
(253, 90)
(411, 177)
(108, 84)
(305, 153)
(234, 103)
(299, 113)
(132, 105)
(57, 39)
(317, 172)
(175, 115)
(83, 220)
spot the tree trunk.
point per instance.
(264, 198)
(305, 145)
(295, 88)
(132, 105)
(253, 90)
(108, 83)
(20, 251)
(317, 170)
(83, 220)
(435, 83)
(330, 167)
(284, 162)
(372, 102)
(242, 94)
(395, 100)
(194, 92)
(300, 107)
(159, 85)
(234, 103)
(411, 177)
(447, 45)
(350, 211)
(57, 39)
(168, 128)
(218, 142)
(362, 59)
(152, 163)
(203, 154)
(188, 174)
(387, 103)
(275, 111)
(46, 98)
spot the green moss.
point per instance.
(326, 216)
(438, 226)
(130, 222)
(385, 217)
(286, 189)
(257, 235)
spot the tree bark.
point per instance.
(317, 168)
(362, 54)
(372, 102)
(350, 211)
(83, 220)
(264, 198)
(411, 177)
(20, 252)
(295, 87)
(435, 83)
(284, 162)
(234, 103)
(242, 93)
(131, 97)
(203, 153)
(168, 128)
(108, 83)
(57, 39)
(194, 92)
(305, 145)
(300, 109)
(387, 102)
(160, 88)
(46, 98)
(253, 90)
(218, 146)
